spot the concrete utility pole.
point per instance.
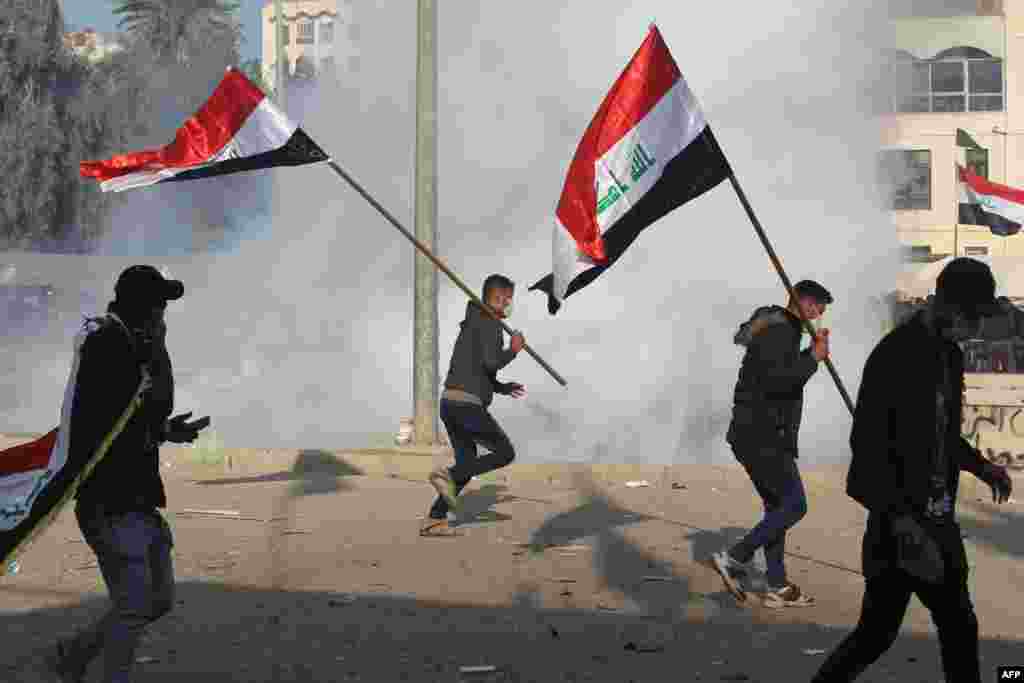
(279, 54)
(425, 377)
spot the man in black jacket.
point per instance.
(906, 473)
(117, 504)
(469, 388)
(767, 407)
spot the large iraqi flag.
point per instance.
(237, 129)
(983, 202)
(647, 151)
(39, 477)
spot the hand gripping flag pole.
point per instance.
(437, 262)
(782, 273)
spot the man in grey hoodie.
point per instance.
(469, 388)
(767, 407)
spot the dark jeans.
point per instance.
(885, 603)
(777, 479)
(469, 425)
(134, 553)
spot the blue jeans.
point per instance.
(134, 553)
(777, 479)
(468, 425)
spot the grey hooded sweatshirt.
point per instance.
(478, 355)
(768, 399)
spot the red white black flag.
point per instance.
(647, 151)
(237, 129)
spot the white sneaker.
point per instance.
(731, 572)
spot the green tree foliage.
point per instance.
(57, 110)
(43, 126)
(253, 69)
(177, 30)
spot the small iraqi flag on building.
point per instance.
(983, 202)
(647, 151)
(237, 129)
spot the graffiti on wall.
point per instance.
(996, 431)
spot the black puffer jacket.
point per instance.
(893, 440)
(128, 477)
(478, 355)
(768, 399)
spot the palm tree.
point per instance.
(168, 25)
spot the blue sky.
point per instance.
(99, 15)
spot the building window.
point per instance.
(353, 32)
(304, 33)
(956, 80)
(918, 253)
(327, 32)
(354, 62)
(977, 162)
(906, 177)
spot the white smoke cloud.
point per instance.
(301, 335)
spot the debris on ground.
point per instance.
(342, 600)
(643, 483)
(633, 647)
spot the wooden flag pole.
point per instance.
(437, 262)
(782, 274)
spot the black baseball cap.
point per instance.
(814, 290)
(968, 284)
(146, 285)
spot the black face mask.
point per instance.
(956, 325)
(145, 322)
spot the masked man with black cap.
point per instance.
(767, 408)
(117, 504)
(906, 472)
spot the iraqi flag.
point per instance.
(39, 477)
(983, 202)
(237, 129)
(647, 151)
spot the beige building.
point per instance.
(320, 36)
(90, 45)
(963, 72)
(954, 72)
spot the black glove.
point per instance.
(999, 480)
(178, 430)
(916, 552)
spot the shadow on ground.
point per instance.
(220, 633)
(314, 471)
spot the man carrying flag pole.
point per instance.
(647, 151)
